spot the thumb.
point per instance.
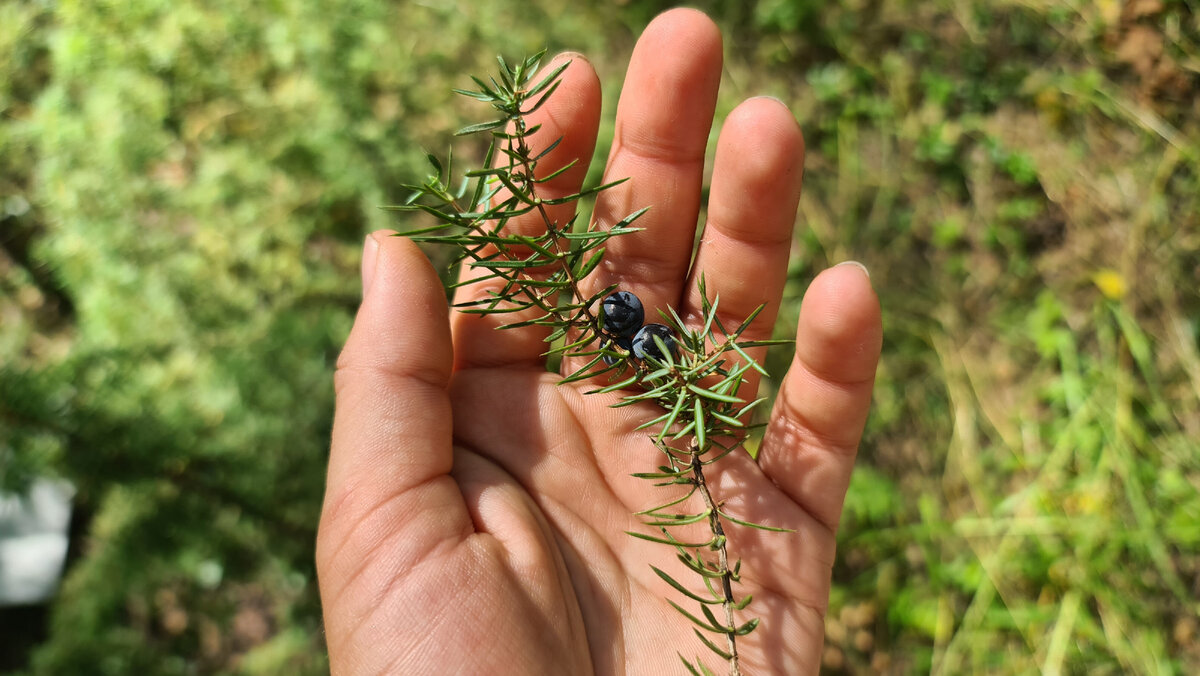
(388, 481)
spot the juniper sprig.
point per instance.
(695, 374)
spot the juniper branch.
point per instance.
(697, 389)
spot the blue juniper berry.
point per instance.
(644, 345)
(623, 343)
(622, 314)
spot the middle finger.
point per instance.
(663, 121)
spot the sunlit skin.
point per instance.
(475, 514)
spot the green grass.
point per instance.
(1025, 199)
(1021, 178)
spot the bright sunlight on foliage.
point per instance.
(184, 189)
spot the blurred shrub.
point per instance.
(185, 184)
(185, 188)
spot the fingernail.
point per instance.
(572, 55)
(769, 97)
(370, 254)
(856, 264)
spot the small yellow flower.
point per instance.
(1110, 283)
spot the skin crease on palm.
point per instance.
(475, 513)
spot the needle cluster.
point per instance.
(540, 282)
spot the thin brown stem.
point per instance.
(714, 521)
(551, 227)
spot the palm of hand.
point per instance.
(476, 514)
(533, 571)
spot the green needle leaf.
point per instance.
(495, 310)
(715, 396)
(583, 373)
(482, 126)
(501, 265)
(558, 172)
(527, 322)
(614, 387)
(672, 541)
(699, 568)
(701, 432)
(543, 100)
(546, 81)
(749, 360)
(708, 613)
(688, 664)
(586, 268)
(659, 475)
(680, 520)
(763, 343)
(687, 429)
(732, 422)
(670, 421)
(682, 589)
(747, 628)
(710, 312)
(652, 423)
(748, 320)
(478, 96)
(742, 411)
(624, 223)
(759, 526)
(672, 503)
(714, 628)
(713, 646)
(586, 192)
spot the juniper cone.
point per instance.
(644, 345)
(619, 343)
(623, 314)
(610, 360)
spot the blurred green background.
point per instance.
(184, 189)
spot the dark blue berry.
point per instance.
(623, 343)
(622, 314)
(644, 345)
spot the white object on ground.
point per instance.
(33, 541)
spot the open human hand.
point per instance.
(476, 511)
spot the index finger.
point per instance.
(569, 118)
